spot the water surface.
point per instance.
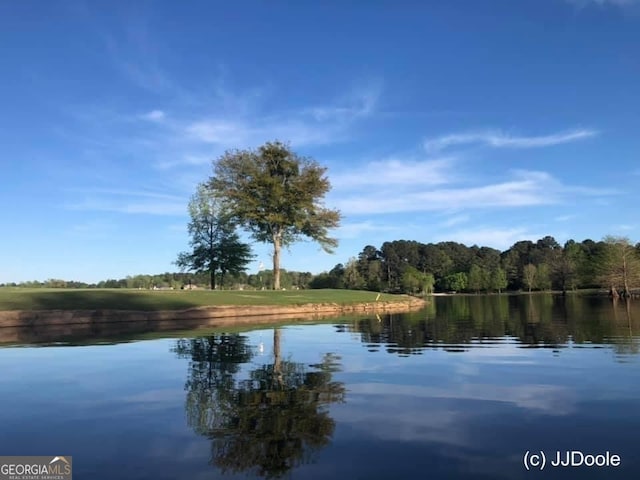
(461, 389)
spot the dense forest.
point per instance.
(412, 267)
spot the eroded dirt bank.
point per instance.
(217, 315)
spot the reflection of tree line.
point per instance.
(547, 320)
(267, 422)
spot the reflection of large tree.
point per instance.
(214, 361)
(271, 421)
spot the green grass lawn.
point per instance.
(146, 300)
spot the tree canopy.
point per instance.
(215, 246)
(619, 266)
(526, 265)
(277, 195)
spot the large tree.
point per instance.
(277, 195)
(215, 246)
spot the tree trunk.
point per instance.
(212, 278)
(613, 292)
(627, 293)
(276, 261)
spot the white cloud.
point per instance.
(617, 3)
(624, 227)
(154, 116)
(360, 102)
(244, 133)
(565, 218)
(92, 230)
(456, 220)
(396, 171)
(185, 160)
(137, 60)
(173, 151)
(525, 189)
(130, 202)
(307, 126)
(127, 193)
(144, 208)
(500, 238)
(356, 229)
(218, 131)
(499, 139)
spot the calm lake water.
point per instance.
(459, 390)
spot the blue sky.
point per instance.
(482, 122)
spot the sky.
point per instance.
(484, 122)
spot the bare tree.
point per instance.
(529, 273)
(619, 266)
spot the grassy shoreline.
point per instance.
(168, 300)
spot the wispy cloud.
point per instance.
(127, 193)
(96, 229)
(624, 227)
(617, 3)
(496, 237)
(243, 133)
(142, 207)
(129, 202)
(134, 53)
(565, 218)
(357, 229)
(306, 126)
(148, 162)
(455, 220)
(398, 172)
(218, 131)
(359, 102)
(523, 188)
(499, 139)
(154, 116)
(185, 161)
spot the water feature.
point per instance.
(461, 389)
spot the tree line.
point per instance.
(407, 266)
(180, 280)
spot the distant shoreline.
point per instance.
(589, 291)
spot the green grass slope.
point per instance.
(149, 300)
